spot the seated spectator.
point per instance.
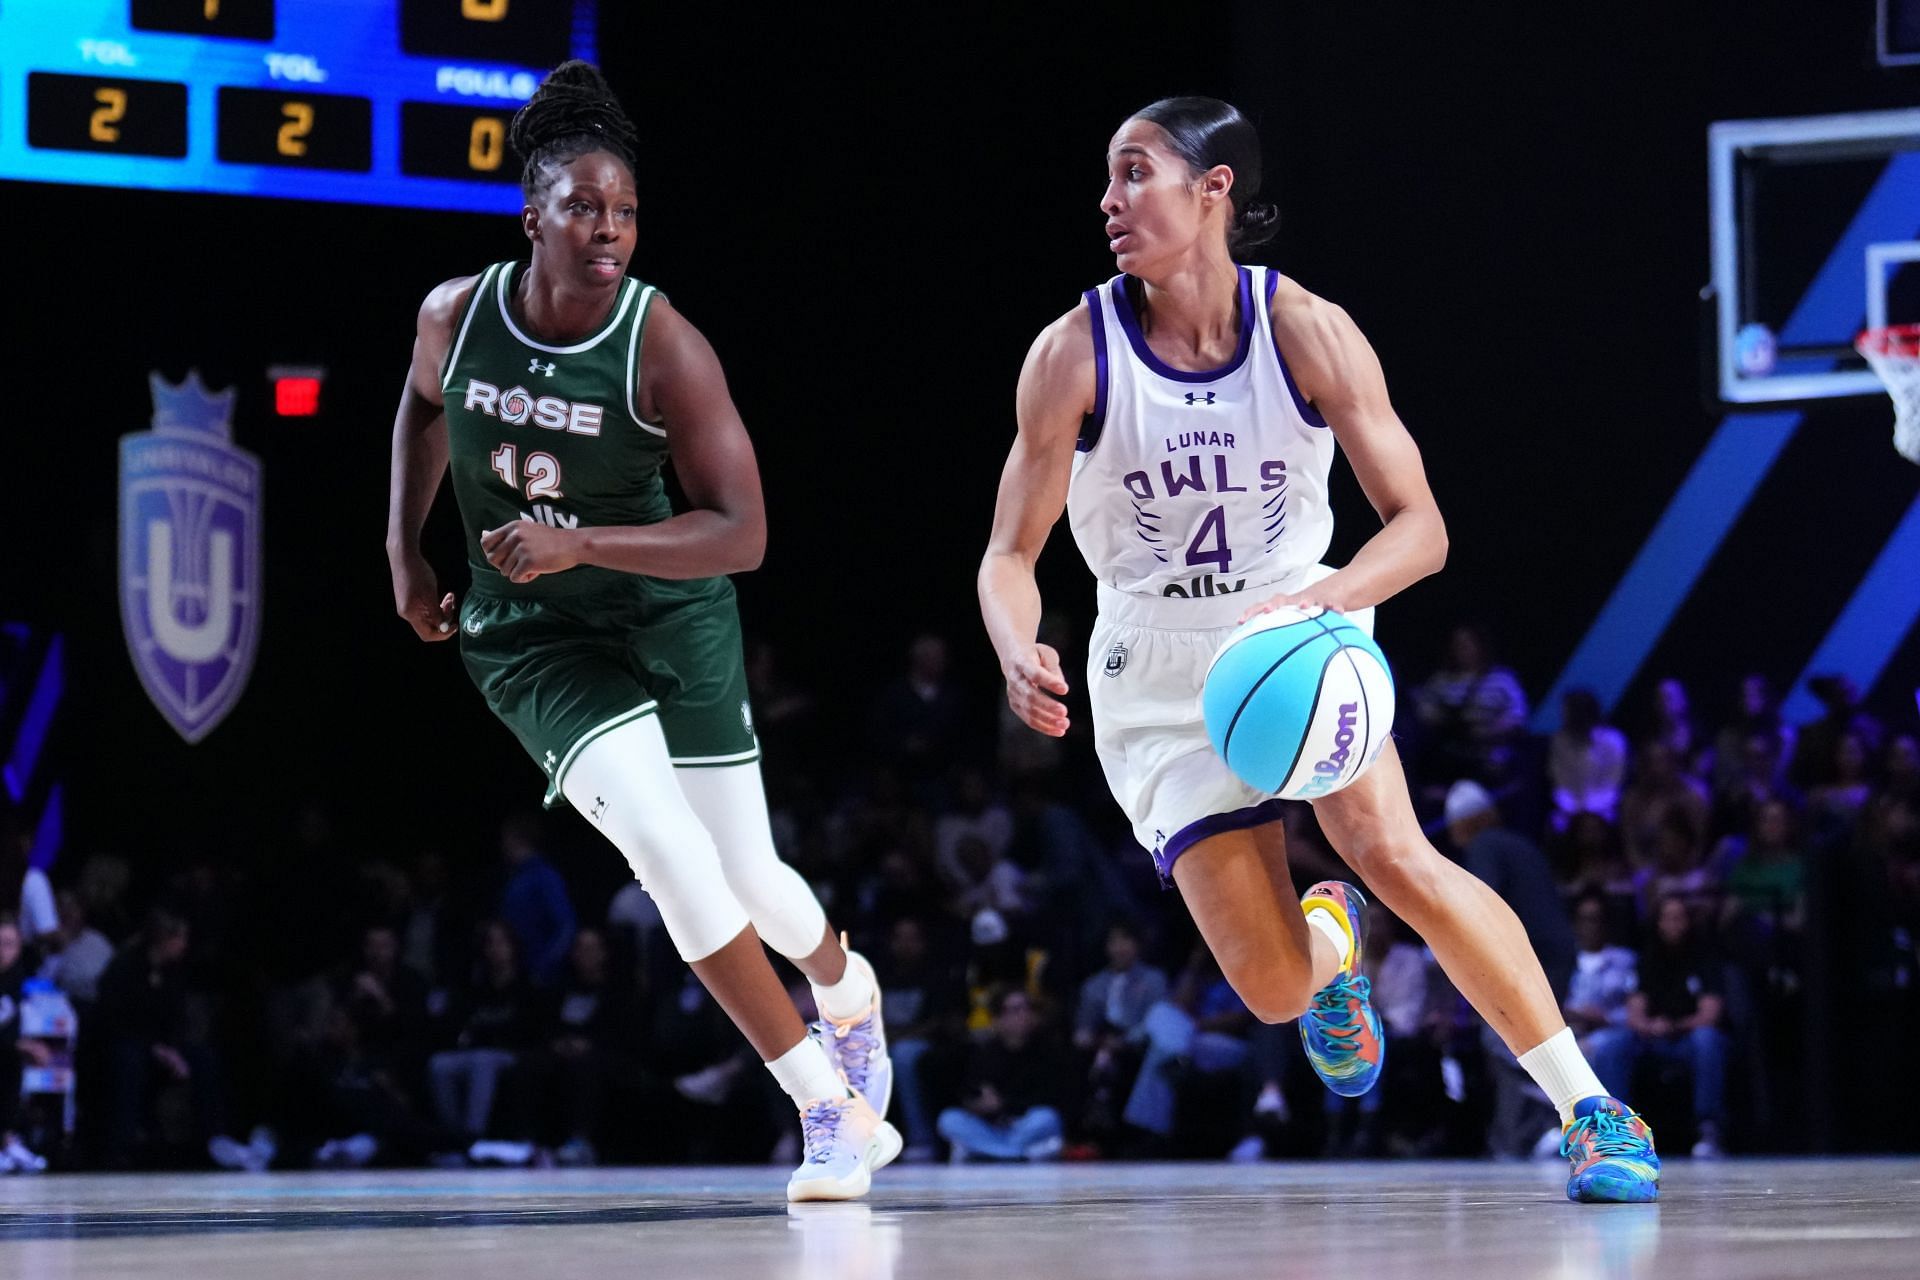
(1672, 724)
(1114, 1001)
(77, 954)
(588, 1042)
(1604, 976)
(388, 1003)
(925, 997)
(1835, 805)
(354, 1111)
(534, 903)
(24, 888)
(973, 814)
(1674, 1017)
(1010, 1091)
(1766, 873)
(1754, 779)
(1816, 753)
(1680, 869)
(1596, 865)
(141, 1024)
(1659, 787)
(1756, 715)
(492, 1021)
(1202, 1028)
(1471, 713)
(1586, 761)
(918, 719)
(1108, 1021)
(988, 883)
(15, 1053)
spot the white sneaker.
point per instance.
(858, 1046)
(709, 1085)
(18, 1159)
(1249, 1150)
(1046, 1148)
(223, 1151)
(846, 1140)
(489, 1151)
(1271, 1102)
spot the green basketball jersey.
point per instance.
(549, 433)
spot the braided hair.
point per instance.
(571, 114)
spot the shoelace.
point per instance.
(819, 1123)
(1336, 1008)
(857, 1037)
(1609, 1133)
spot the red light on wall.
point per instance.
(296, 397)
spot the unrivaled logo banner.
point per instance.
(190, 556)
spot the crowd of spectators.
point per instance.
(1715, 894)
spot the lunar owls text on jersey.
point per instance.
(1198, 483)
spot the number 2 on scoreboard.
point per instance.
(106, 117)
(293, 134)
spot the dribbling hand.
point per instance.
(1034, 689)
(414, 589)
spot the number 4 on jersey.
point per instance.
(542, 474)
(1214, 526)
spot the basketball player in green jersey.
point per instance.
(600, 626)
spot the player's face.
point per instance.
(583, 223)
(1153, 204)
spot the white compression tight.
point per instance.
(698, 841)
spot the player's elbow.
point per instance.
(750, 547)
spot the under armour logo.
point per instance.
(1202, 397)
(599, 809)
(534, 366)
(552, 762)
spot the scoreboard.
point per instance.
(394, 102)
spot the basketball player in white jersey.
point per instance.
(1185, 416)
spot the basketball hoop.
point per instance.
(1894, 353)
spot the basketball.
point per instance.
(1298, 704)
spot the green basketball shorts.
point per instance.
(562, 669)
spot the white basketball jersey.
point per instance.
(1198, 484)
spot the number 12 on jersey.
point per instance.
(1214, 526)
(540, 478)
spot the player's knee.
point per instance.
(1405, 875)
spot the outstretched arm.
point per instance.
(1337, 370)
(1055, 392)
(725, 531)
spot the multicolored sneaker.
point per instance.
(846, 1140)
(1344, 1038)
(1612, 1152)
(858, 1046)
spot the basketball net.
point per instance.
(1894, 354)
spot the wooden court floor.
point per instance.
(1823, 1219)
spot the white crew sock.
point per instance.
(807, 1075)
(852, 996)
(1558, 1066)
(1322, 919)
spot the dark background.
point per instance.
(871, 218)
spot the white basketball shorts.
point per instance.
(1146, 664)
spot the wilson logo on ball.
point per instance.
(1328, 771)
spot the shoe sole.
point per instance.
(882, 1149)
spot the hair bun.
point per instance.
(1255, 224)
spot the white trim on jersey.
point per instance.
(506, 314)
(738, 757)
(633, 360)
(556, 786)
(473, 304)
